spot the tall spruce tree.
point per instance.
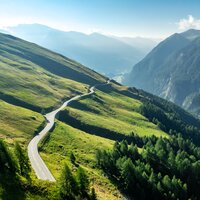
(22, 158)
(83, 181)
(68, 185)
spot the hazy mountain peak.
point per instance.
(29, 27)
(32, 26)
(191, 34)
(175, 38)
(167, 47)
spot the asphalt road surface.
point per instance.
(38, 165)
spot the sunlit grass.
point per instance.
(37, 87)
(64, 140)
(18, 124)
(28, 72)
(115, 112)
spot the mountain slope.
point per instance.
(111, 114)
(28, 71)
(171, 70)
(17, 123)
(35, 80)
(101, 53)
(191, 34)
(185, 80)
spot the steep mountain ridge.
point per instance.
(171, 70)
(153, 62)
(191, 34)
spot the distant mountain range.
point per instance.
(106, 54)
(172, 70)
(145, 45)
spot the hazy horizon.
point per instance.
(8, 29)
(118, 18)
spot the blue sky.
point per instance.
(148, 18)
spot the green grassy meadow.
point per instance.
(18, 124)
(109, 111)
(66, 139)
(114, 112)
(34, 80)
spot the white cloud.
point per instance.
(188, 23)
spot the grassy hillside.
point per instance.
(17, 123)
(66, 139)
(35, 80)
(28, 71)
(97, 122)
(111, 113)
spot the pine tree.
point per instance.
(83, 181)
(68, 184)
(152, 178)
(72, 158)
(93, 195)
(7, 161)
(43, 111)
(124, 148)
(24, 167)
(166, 182)
(159, 187)
(133, 151)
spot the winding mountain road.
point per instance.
(41, 170)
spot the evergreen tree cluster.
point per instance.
(13, 162)
(163, 169)
(14, 165)
(75, 187)
(172, 120)
(14, 171)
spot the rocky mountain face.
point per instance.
(172, 70)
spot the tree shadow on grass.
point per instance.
(65, 117)
(10, 187)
